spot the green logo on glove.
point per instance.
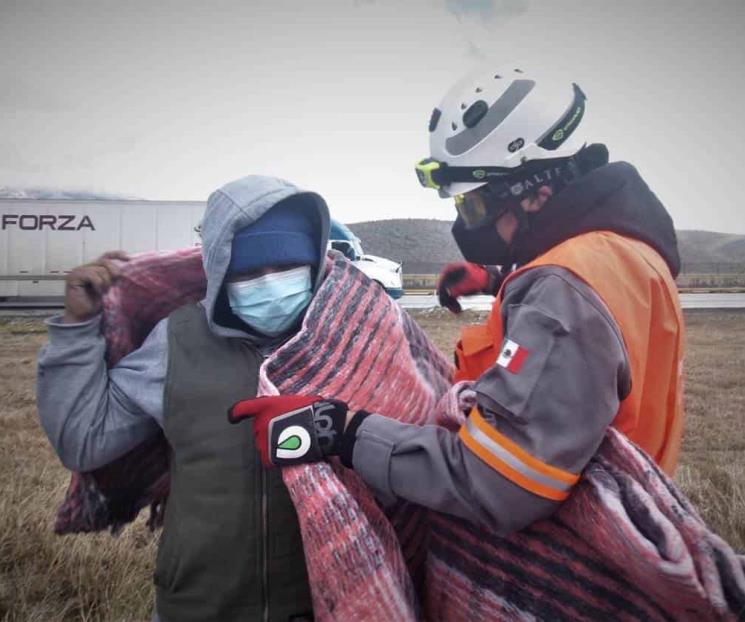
(293, 442)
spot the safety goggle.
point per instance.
(483, 206)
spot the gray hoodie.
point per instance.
(91, 414)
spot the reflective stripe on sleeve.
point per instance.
(513, 462)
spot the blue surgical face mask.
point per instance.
(272, 304)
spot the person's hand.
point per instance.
(464, 279)
(86, 285)
(293, 429)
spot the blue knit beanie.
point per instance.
(282, 236)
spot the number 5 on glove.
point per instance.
(293, 429)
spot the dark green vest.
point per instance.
(231, 547)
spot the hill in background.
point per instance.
(708, 247)
(423, 246)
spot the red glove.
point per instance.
(293, 429)
(465, 279)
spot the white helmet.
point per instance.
(492, 122)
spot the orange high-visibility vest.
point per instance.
(634, 282)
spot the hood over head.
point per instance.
(234, 207)
(613, 197)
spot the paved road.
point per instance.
(713, 301)
(483, 303)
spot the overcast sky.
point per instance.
(171, 99)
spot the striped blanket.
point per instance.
(627, 545)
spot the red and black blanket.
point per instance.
(626, 545)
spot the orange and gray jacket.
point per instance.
(587, 334)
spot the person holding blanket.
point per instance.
(231, 547)
(586, 331)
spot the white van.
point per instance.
(384, 271)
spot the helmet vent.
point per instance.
(475, 113)
(479, 89)
(497, 77)
(454, 126)
(434, 119)
(463, 106)
(519, 71)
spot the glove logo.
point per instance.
(324, 426)
(293, 442)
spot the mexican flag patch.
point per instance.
(512, 356)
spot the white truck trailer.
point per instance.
(43, 239)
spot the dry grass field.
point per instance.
(46, 578)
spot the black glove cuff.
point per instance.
(495, 280)
(350, 438)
